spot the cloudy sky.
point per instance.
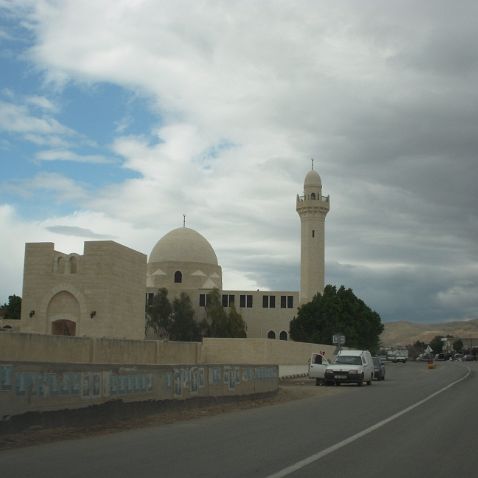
(119, 116)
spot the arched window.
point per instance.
(73, 265)
(60, 265)
(283, 335)
(178, 277)
(312, 196)
(271, 334)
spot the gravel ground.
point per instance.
(290, 389)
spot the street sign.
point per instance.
(338, 339)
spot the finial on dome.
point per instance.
(312, 159)
(184, 220)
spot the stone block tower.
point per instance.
(312, 208)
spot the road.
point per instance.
(418, 423)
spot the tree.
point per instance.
(172, 321)
(183, 326)
(158, 314)
(416, 349)
(437, 344)
(219, 323)
(13, 307)
(337, 311)
(458, 346)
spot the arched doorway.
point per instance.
(63, 327)
(63, 313)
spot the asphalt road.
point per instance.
(398, 428)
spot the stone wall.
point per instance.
(27, 387)
(60, 349)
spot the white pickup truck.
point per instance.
(317, 365)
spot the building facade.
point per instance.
(102, 293)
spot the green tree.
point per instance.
(13, 308)
(159, 314)
(183, 326)
(337, 311)
(437, 344)
(458, 346)
(219, 322)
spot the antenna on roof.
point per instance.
(184, 220)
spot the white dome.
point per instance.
(183, 245)
(312, 179)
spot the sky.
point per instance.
(119, 116)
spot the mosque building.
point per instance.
(102, 292)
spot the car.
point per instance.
(350, 366)
(379, 369)
(468, 358)
(317, 365)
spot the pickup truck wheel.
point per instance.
(359, 384)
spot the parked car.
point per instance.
(468, 358)
(378, 369)
(350, 366)
(317, 365)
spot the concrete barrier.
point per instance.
(39, 386)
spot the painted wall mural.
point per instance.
(31, 385)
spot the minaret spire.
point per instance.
(312, 208)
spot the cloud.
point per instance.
(382, 95)
(16, 118)
(77, 231)
(64, 188)
(41, 102)
(65, 155)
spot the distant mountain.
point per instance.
(405, 333)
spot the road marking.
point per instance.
(317, 456)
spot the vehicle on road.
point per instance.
(398, 356)
(378, 369)
(317, 365)
(350, 366)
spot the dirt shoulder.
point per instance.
(39, 428)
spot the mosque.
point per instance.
(102, 293)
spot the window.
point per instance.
(178, 277)
(313, 233)
(73, 265)
(290, 301)
(283, 335)
(268, 301)
(202, 300)
(149, 298)
(227, 300)
(271, 334)
(245, 301)
(312, 196)
(283, 302)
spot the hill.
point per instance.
(404, 333)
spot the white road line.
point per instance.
(317, 456)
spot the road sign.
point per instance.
(338, 339)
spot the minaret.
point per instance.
(312, 208)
